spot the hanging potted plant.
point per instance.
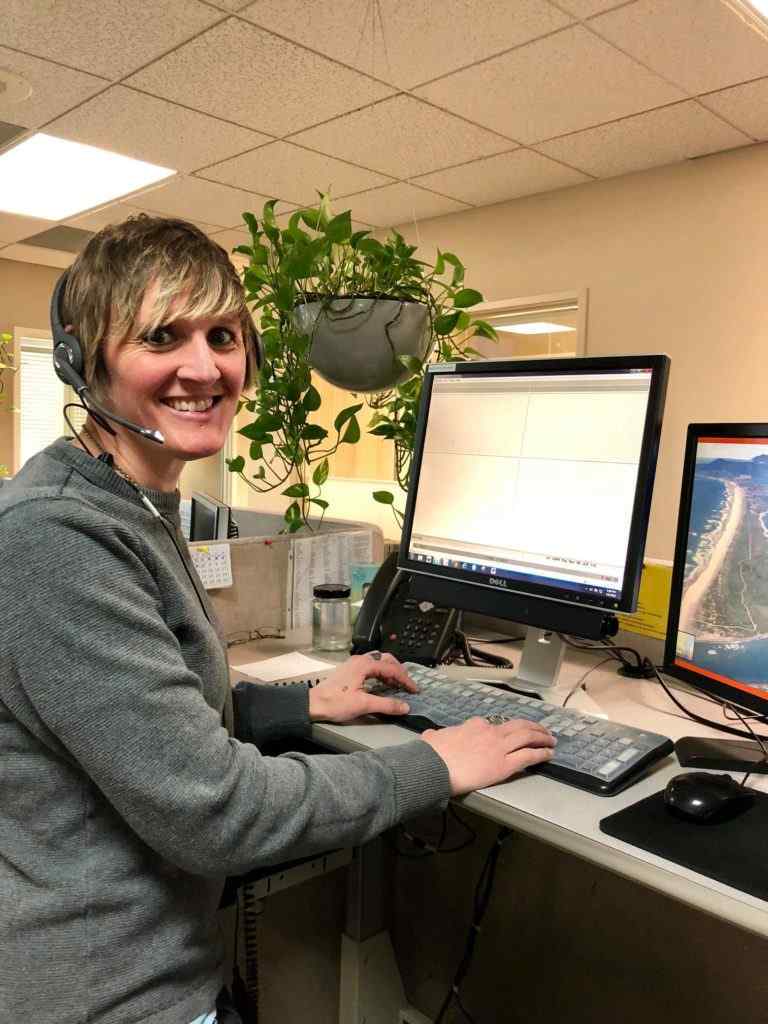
(364, 314)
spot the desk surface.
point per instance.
(562, 815)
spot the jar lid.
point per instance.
(326, 591)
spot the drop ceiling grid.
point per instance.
(215, 94)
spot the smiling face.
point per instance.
(183, 378)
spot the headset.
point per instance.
(68, 362)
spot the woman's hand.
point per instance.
(340, 697)
(479, 754)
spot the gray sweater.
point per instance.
(124, 801)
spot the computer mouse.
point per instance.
(706, 797)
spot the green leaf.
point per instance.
(296, 491)
(320, 474)
(352, 434)
(260, 473)
(313, 432)
(340, 227)
(346, 414)
(253, 431)
(464, 321)
(253, 225)
(384, 430)
(458, 267)
(439, 269)
(294, 525)
(312, 400)
(246, 250)
(410, 363)
(311, 218)
(293, 513)
(255, 451)
(446, 323)
(357, 237)
(484, 330)
(466, 297)
(260, 255)
(372, 246)
(235, 465)
(319, 501)
(384, 497)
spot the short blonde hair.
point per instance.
(107, 282)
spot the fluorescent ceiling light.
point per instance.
(54, 178)
(537, 327)
(753, 12)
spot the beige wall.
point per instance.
(674, 260)
(25, 293)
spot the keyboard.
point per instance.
(591, 753)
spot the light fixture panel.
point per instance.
(535, 327)
(52, 178)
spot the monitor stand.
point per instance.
(539, 667)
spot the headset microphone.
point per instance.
(68, 364)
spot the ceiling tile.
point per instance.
(62, 237)
(34, 254)
(400, 203)
(586, 8)
(402, 137)
(54, 89)
(652, 139)
(409, 42)
(230, 5)
(107, 37)
(231, 237)
(699, 44)
(496, 178)
(155, 130)
(195, 199)
(746, 106)
(13, 228)
(288, 172)
(241, 73)
(569, 81)
(115, 213)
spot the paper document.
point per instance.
(650, 619)
(286, 666)
(325, 558)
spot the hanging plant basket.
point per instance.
(356, 340)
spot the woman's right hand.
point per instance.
(479, 754)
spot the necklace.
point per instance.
(118, 469)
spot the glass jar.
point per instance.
(331, 620)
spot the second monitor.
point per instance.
(530, 492)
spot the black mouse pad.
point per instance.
(732, 851)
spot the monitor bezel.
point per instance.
(658, 364)
(728, 692)
(221, 510)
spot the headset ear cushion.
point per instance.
(74, 352)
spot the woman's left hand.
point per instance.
(341, 696)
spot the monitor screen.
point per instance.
(535, 477)
(717, 634)
(209, 518)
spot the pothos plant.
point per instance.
(319, 256)
(6, 363)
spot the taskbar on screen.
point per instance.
(515, 576)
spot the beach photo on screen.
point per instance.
(723, 625)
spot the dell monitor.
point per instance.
(717, 632)
(530, 493)
(210, 518)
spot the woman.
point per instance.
(125, 801)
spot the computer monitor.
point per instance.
(717, 633)
(530, 493)
(209, 519)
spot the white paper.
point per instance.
(213, 564)
(285, 666)
(322, 559)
